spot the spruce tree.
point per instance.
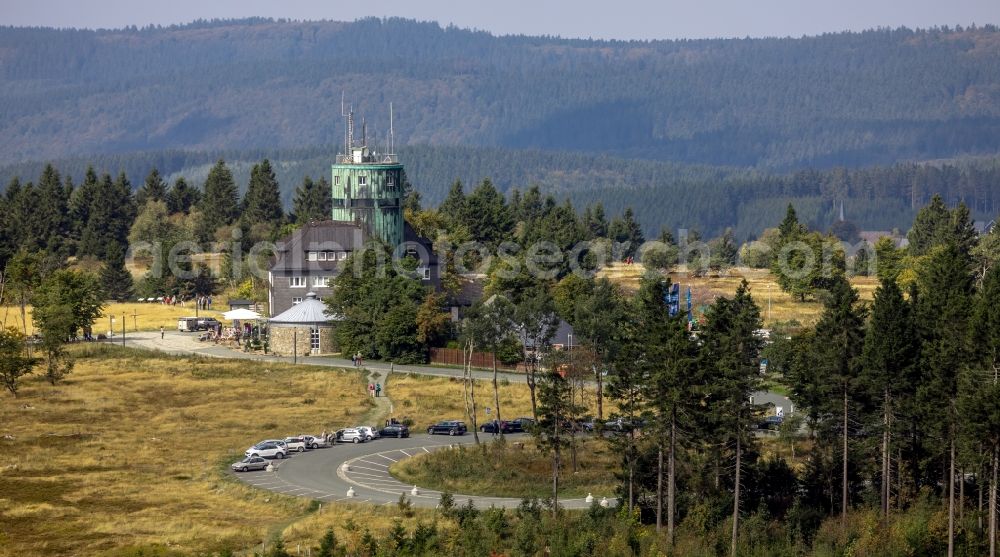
(453, 207)
(626, 231)
(153, 189)
(53, 212)
(889, 358)
(313, 201)
(942, 314)
(262, 202)
(110, 218)
(670, 361)
(931, 227)
(80, 203)
(181, 197)
(115, 280)
(487, 215)
(220, 201)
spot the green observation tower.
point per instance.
(368, 188)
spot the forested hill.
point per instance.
(851, 99)
(662, 194)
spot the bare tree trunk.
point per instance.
(961, 494)
(979, 488)
(496, 395)
(470, 408)
(951, 497)
(843, 494)
(530, 372)
(600, 394)
(886, 467)
(994, 461)
(659, 486)
(736, 498)
(555, 467)
(672, 476)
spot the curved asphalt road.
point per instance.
(320, 474)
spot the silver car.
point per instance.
(353, 435)
(369, 431)
(249, 463)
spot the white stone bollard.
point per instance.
(414, 492)
(604, 502)
(589, 499)
(350, 492)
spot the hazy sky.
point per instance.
(647, 19)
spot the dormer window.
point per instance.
(311, 256)
(322, 256)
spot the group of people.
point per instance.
(375, 389)
(356, 359)
(204, 302)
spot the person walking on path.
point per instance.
(354, 361)
(378, 389)
(161, 332)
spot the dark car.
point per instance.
(449, 427)
(771, 423)
(395, 430)
(206, 323)
(518, 425)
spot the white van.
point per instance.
(187, 324)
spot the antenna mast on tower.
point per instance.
(392, 149)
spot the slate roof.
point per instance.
(318, 236)
(309, 311)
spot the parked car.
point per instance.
(279, 442)
(187, 324)
(351, 435)
(316, 441)
(296, 444)
(518, 425)
(771, 422)
(395, 430)
(206, 323)
(369, 431)
(266, 450)
(249, 463)
(449, 427)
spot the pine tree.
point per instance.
(262, 202)
(931, 227)
(454, 206)
(889, 357)
(181, 197)
(80, 203)
(153, 189)
(790, 228)
(670, 359)
(220, 202)
(942, 314)
(626, 231)
(731, 356)
(54, 225)
(839, 343)
(115, 280)
(110, 218)
(487, 215)
(313, 201)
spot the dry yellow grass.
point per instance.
(130, 450)
(428, 399)
(138, 317)
(776, 306)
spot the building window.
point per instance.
(331, 256)
(314, 340)
(390, 181)
(342, 256)
(336, 180)
(297, 282)
(311, 256)
(424, 273)
(362, 180)
(322, 256)
(296, 301)
(321, 282)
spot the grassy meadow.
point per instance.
(428, 399)
(138, 317)
(763, 287)
(131, 450)
(504, 470)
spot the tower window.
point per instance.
(362, 180)
(322, 256)
(390, 181)
(336, 180)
